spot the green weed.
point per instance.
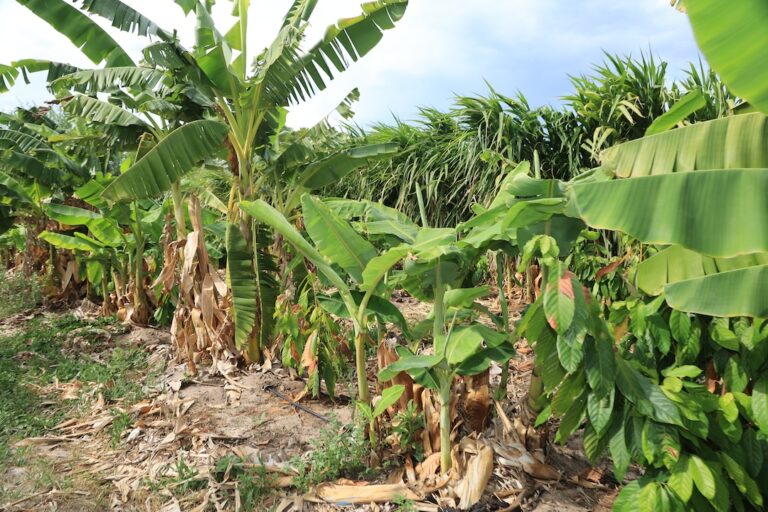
(254, 482)
(339, 451)
(120, 421)
(404, 504)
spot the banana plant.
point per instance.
(250, 104)
(336, 245)
(693, 192)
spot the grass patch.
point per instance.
(338, 452)
(36, 357)
(18, 293)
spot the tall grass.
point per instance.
(457, 156)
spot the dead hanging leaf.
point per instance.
(218, 282)
(308, 358)
(208, 300)
(364, 494)
(476, 401)
(478, 472)
(608, 269)
(187, 272)
(386, 355)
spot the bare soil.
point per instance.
(236, 411)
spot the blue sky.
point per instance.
(441, 48)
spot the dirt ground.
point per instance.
(184, 425)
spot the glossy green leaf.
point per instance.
(733, 142)
(388, 397)
(84, 33)
(702, 476)
(174, 156)
(645, 395)
(733, 38)
(728, 294)
(717, 213)
(599, 411)
(599, 364)
(680, 480)
(693, 101)
(335, 239)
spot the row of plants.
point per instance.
(457, 156)
(144, 179)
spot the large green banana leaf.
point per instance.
(719, 213)
(254, 290)
(264, 271)
(242, 282)
(375, 218)
(335, 239)
(733, 37)
(348, 40)
(676, 263)
(14, 191)
(70, 243)
(91, 81)
(124, 17)
(101, 112)
(104, 229)
(173, 157)
(10, 73)
(332, 169)
(263, 212)
(84, 33)
(727, 294)
(730, 143)
(28, 167)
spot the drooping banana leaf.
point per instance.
(173, 157)
(101, 112)
(29, 167)
(70, 215)
(348, 40)
(263, 212)
(335, 167)
(13, 190)
(727, 294)
(91, 81)
(69, 242)
(730, 143)
(104, 229)
(265, 270)
(733, 38)
(242, 281)
(124, 17)
(676, 263)
(719, 213)
(335, 239)
(84, 33)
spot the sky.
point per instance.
(441, 48)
